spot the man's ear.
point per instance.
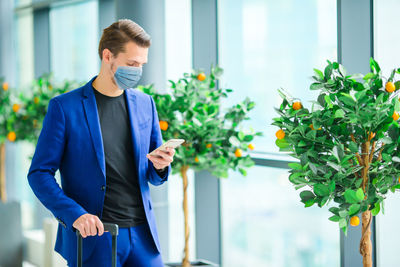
(107, 55)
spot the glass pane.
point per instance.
(74, 41)
(178, 60)
(386, 53)
(268, 44)
(17, 160)
(265, 224)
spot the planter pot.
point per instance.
(193, 263)
(10, 234)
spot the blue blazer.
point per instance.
(71, 141)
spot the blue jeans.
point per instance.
(135, 248)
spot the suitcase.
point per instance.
(110, 227)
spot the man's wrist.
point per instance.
(161, 170)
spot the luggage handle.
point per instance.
(110, 227)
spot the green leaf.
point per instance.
(343, 213)
(309, 203)
(350, 196)
(295, 166)
(332, 186)
(334, 218)
(353, 147)
(354, 209)
(342, 223)
(334, 210)
(386, 140)
(360, 194)
(316, 86)
(281, 143)
(374, 65)
(319, 74)
(306, 195)
(339, 113)
(368, 76)
(376, 209)
(235, 142)
(321, 190)
(241, 136)
(328, 100)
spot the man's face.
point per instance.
(134, 55)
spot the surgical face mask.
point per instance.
(127, 76)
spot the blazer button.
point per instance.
(103, 188)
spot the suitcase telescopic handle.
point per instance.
(109, 227)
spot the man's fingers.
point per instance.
(92, 225)
(100, 226)
(159, 161)
(81, 230)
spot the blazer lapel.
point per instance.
(132, 107)
(92, 118)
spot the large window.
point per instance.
(265, 45)
(17, 153)
(178, 60)
(74, 41)
(386, 53)
(265, 224)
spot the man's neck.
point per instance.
(104, 85)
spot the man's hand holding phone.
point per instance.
(162, 156)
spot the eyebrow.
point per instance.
(135, 61)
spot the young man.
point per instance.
(99, 137)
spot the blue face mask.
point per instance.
(127, 76)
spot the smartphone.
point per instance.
(174, 143)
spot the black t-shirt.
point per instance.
(123, 203)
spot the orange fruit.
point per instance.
(208, 145)
(280, 134)
(196, 159)
(201, 77)
(251, 146)
(395, 116)
(399, 180)
(15, 107)
(51, 87)
(11, 136)
(297, 105)
(390, 87)
(354, 221)
(5, 86)
(312, 127)
(238, 152)
(36, 99)
(163, 125)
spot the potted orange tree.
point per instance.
(347, 145)
(21, 115)
(4, 134)
(215, 139)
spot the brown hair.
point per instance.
(119, 33)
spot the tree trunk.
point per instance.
(365, 242)
(3, 194)
(185, 261)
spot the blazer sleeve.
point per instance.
(45, 162)
(154, 177)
